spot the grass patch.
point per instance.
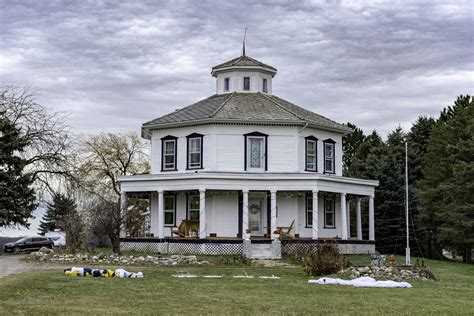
(50, 292)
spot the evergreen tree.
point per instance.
(350, 144)
(447, 188)
(55, 214)
(17, 197)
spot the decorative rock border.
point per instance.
(46, 254)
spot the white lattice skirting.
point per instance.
(183, 248)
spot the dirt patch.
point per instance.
(273, 264)
(12, 264)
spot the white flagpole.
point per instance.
(407, 250)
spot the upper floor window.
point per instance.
(194, 155)
(255, 152)
(226, 84)
(329, 211)
(169, 203)
(311, 147)
(168, 153)
(329, 156)
(246, 83)
(265, 85)
(193, 206)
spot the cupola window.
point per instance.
(226, 84)
(265, 85)
(246, 83)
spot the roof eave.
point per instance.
(146, 129)
(215, 71)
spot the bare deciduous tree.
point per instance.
(104, 157)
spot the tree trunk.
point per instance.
(467, 256)
(115, 241)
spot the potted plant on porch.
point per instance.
(247, 234)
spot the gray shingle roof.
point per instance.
(243, 61)
(244, 107)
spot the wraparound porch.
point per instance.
(226, 206)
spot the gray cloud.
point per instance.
(114, 65)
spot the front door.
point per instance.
(256, 216)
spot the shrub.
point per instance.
(325, 259)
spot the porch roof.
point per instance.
(246, 180)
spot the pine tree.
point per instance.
(56, 212)
(446, 190)
(17, 197)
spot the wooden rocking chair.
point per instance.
(285, 232)
(181, 231)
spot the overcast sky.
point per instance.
(116, 64)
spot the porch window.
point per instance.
(168, 150)
(193, 206)
(311, 153)
(226, 84)
(194, 156)
(309, 210)
(255, 152)
(246, 83)
(329, 211)
(265, 85)
(169, 203)
(329, 154)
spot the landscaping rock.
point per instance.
(390, 273)
(48, 255)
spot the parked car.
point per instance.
(58, 237)
(28, 243)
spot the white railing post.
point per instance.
(315, 215)
(202, 214)
(343, 217)
(273, 213)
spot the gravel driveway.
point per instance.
(11, 264)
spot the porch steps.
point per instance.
(261, 252)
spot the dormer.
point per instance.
(243, 74)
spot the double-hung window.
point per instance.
(329, 156)
(193, 206)
(309, 210)
(169, 203)
(168, 151)
(329, 211)
(194, 151)
(226, 84)
(311, 153)
(265, 85)
(246, 83)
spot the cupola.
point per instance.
(243, 74)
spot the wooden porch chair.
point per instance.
(285, 232)
(181, 231)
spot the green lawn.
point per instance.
(50, 292)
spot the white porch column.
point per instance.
(315, 215)
(343, 217)
(202, 214)
(358, 220)
(161, 215)
(348, 210)
(245, 211)
(123, 212)
(273, 213)
(371, 219)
